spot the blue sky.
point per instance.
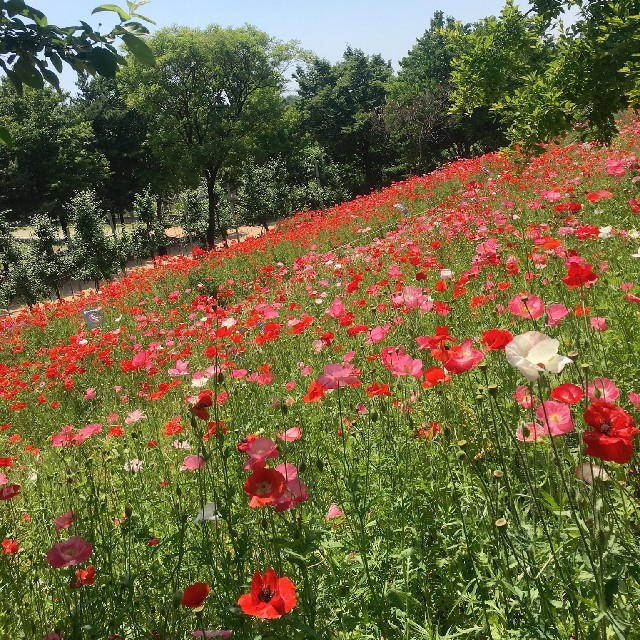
(325, 27)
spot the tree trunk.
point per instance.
(211, 174)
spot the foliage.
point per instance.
(263, 196)
(193, 212)
(148, 239)
(341, 107)
(120, 135)
(210, 92)
(93, 252)
(52, 157)
(30, 46)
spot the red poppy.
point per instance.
(8, 492)
(270, 597)
(204, 401)
(264, 486)
(195, 595)
(315, 393)
(612, 432)
(84, 577)
(376, 389)
(433, 376)
(496, 339)
(579, 275)
(567, 393)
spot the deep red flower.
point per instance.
(195, 595)
(69, 552)
(270, 597)
(376, 389)
(8, 492)
(579, 275)
(567, 393)
(264, 486)
(611, 437)
(84, 577)
(495, 339)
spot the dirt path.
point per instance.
(75, 288)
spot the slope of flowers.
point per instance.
(367, 423)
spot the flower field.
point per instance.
(412, 416)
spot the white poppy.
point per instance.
(208, 512)
(533, 352)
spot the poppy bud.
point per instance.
(302, 467)
(284, 409)
(319, 465)
(128, 510)
(178, 491)
(374, 416)
(220, 378)
(493, 390)
(176, 601)
(264, 523)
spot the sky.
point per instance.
(324, 27)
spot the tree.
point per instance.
(120, 135)
(93, 253)
(53, 155)
(341, 108)
(493, 59)
(210, 92)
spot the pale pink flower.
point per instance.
(334, 512)
(603, 389)
(288, 470)
(291, 435)
(191, 463)
(338, 375)
(90, 394)
(68, 553)
(181, 369)
(556, 417)
(135, 416)
(530, 432)
(599, 324)
(589, 473)
(3, 479)
(634, 399)
(259, 450)
(555, 313)
(526, 305)
(524, 398)
(377, 334)
(237, 374)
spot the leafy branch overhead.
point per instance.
(33, 52)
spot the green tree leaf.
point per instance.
(139, 49)
(104, 62)
(5, 136)
(113, 8)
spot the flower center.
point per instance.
(266, 594)
(606, 428)
(263, 489)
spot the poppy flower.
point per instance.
(495, 339)
(567, 393)
(84, 577)
(270, 596)
(195, 595)
(611, 437)
(69, 552)
(533, 352)
(264, 486)
(8, 492)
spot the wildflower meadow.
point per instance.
(410, 416)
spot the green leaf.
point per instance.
(610, 590)
(104, 62)
(139, 49)
(27, 73)
(114, 8)
(56, 61)
(5, 136)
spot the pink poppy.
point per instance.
(338, 375)
(526, 305)
(634, 399)
(191, 463)
(530, 432)
(258, 451)
(64, 521)
(599, 324)
(377, 334)
(90, 394)
(524, 398)
(603, 389)
(464, 357)
(334, 512)
(556, 417)
(135, 416)
(555, 313)
(68, 553)
(291, 435)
